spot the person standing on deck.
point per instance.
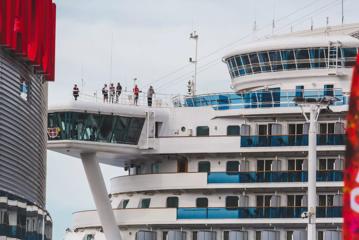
(150, 94)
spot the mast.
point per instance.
(195, 37)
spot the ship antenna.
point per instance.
(111, 57)
(342, 12)
(311, 24)
(195, 37)
(273, 22)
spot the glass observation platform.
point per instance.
(273, 97)
(255, 212)
(94, 127)
(270, 177)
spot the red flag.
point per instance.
(351, 172)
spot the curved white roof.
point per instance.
(319, 37)
(290, 42)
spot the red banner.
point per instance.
(351, 172)
(28, 27)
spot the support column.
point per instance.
(312, 173)
(100, 196)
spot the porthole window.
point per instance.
(183, 129)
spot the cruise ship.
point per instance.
(222, 166)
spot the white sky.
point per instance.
(150, 39)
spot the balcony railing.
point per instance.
(262, 98)
(254, 212)
(291, 140)
(12, 231)
(262, 177)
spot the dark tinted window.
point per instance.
(203, 131)
(145, 203)
(232, 166)
(204, 166)
(232, 202)
(172, 202)
(233, 130)
(202, 202)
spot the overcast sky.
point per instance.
(150, 41)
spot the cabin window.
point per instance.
(145, 203)
(233, 130)
(123, 204)
(232, 166)
(204, 166)
(172, 202)
(202, 131)
(202, 202)
(232, 202)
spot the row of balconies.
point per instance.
(288, 216)
(203, 180)
(291, 140)
(255, 212)
(263, 177)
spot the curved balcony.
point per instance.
(291, 140)
(255, 212)
(223, 180)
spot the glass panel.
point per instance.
(203, 131)
(302, 56)
(94, 127)
(145, 203)
(264, 61)
(232, 202)
(291, 165)
(288, 59)
(204, 167)
(232, 166)
(172, 202)
(233, 131)
(246, 64)
(202, 202)
(323, 53)
(349, 56)
(276, 61)
(255, 63)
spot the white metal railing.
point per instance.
(127, 98)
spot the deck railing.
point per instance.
(255, 212)
(280, 176)
(290, 140)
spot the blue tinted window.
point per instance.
(275, 59)
(264, 61)
(246, 63)
(288, 59)
(302, 56)
(349, 55)
(255, 63)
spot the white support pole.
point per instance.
(312, 172)
(100, 196)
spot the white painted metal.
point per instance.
(312, 171)
(100, 196)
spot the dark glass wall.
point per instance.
(94, 127)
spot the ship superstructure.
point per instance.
(221, 166)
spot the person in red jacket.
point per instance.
(136, 92)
